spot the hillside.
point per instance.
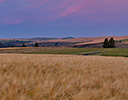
(94, 42)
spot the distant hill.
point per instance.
(41, 39)
(93, 42)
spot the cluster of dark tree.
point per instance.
(35, 45)
(109, 43)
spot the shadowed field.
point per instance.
(63, 77)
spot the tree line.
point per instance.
(35, 45)
(108, 43)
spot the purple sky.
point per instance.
(63, 18)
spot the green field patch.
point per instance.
(75, 51)
(116, 52)
(122, 52)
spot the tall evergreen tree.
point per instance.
(36, 44)
(106, 43)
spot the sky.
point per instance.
(63, 18)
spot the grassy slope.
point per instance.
(75, 51)
(64, 50)
(79, 51)
(62, 77)
(51, 50)
(122, 52)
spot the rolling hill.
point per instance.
(93, 42)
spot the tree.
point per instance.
(36, 44)
(109, 44)
(112, 43)
(106, 43)
(24, 45)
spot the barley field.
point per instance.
(63, 77)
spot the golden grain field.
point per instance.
(63, 77)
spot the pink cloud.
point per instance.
(49, 10)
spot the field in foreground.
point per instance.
(63, 77)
